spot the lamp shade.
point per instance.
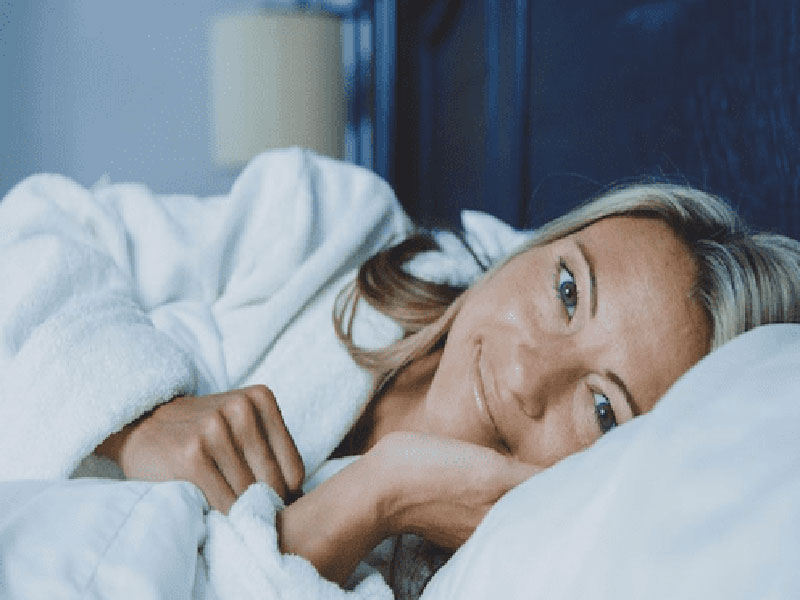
(276, 81)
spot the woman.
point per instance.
(578, 332)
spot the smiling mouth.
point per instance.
(482, 401)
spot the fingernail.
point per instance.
(292, 496)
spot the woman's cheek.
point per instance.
(550, 439)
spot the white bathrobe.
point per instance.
(116, 300)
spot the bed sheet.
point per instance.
(94, 538)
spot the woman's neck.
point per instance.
(399, 407)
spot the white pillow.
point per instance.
(698, 499)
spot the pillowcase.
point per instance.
(700, 498)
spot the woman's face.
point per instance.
(568, 340)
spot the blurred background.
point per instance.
(96, 87)
(522, 108)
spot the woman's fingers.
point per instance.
(264, 443)
(245, 420)
(225, 453)
(265, 466)
(281, 444)
(223, 443)
(206, 475)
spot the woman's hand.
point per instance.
(435, 487)
(441, 488)
(222, 443)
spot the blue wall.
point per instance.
(94, 87)
(697, 91)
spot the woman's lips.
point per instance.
(482, 401)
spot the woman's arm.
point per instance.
(338, 523)
(408, 483)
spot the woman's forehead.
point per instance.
(629, 230)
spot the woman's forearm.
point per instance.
(407, 483)
(337, 524)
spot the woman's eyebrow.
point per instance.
(592, 279)
(625, 391)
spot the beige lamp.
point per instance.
(276, 81)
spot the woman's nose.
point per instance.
(540, 375)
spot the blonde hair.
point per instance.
(743, 279)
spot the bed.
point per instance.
(698, 499)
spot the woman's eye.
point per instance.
(604, 413)
(567, 290)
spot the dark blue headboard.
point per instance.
(698, 91)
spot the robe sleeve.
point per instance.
(116, 299)
(79, 357)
